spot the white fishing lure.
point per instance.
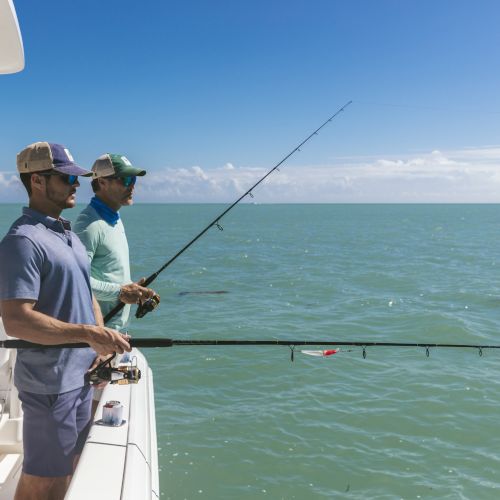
(323, 354)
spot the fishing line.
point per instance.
(429, 108)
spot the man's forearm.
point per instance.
(99, 320)
(23, 322)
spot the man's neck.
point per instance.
(45, 208)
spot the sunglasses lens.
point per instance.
(129, 181)
(68, 179)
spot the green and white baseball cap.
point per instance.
(116, 165)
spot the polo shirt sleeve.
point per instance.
(21, 267)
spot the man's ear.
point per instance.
(36, 182)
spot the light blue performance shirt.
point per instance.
(41, 259)
(107, 249)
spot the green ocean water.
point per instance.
(245, 422)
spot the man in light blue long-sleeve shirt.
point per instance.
(101, 230)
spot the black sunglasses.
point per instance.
(66, 178)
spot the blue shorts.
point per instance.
(55, 428)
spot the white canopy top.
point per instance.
(11, 43)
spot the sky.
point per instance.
(207, 96)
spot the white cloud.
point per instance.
(470, 175)
(11, 188)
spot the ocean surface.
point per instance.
(245, 422)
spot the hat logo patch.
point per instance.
(68, 154)
(126, 161)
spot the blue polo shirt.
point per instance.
(41, 259)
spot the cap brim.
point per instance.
(73, 169)
(125, 172)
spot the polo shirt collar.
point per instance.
(60, 225)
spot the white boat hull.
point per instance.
(121, 462)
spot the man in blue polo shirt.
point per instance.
(46, 298)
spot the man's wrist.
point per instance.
(85, 333)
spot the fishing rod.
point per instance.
(150, 304)
(292, 344)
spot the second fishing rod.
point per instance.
(291, 343)
(153, 302)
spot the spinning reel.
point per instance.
(147, 306)
(121, 375)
